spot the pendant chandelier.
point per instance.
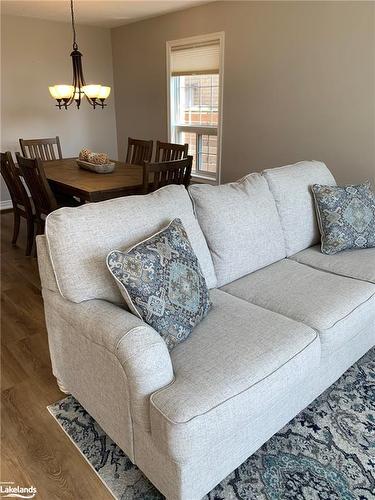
(66, 94)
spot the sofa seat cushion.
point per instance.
(241, 226)
(358, 264)
(335, 306)
(79, 239)
(235, 362)
(291, 189)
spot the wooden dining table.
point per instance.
(67, 178)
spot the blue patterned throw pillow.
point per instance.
(346, 216)
(162, 282)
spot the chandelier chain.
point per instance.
(75, 46)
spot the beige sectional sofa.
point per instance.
(286, 322)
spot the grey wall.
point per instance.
(36, 54)
(299, 82)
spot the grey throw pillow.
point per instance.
(346, 216)
(162, 282)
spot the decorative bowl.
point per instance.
(106, 168)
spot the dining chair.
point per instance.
(167, 151)
(45, 149)
(159, 174)
(22, 206)
(139, 151)
(41, 193)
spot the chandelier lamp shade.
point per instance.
(65, 95)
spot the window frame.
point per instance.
(199, 129)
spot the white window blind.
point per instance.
(195, 59)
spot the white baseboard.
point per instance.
(6, 204)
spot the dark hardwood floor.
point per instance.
(34, 450)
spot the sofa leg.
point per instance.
(62, 387)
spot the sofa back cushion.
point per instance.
(291, 189)
(241, 226)
(79, 239)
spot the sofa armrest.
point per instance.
(46, 274)
(139, 349)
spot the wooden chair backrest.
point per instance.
(33, 172)
(13, 181)
(167, 151)
(45, 149)
(157, 175)
(139, 151)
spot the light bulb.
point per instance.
(54, 92)
(104, 92)
(92, 91)
(63, 91)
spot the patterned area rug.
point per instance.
(327, 452)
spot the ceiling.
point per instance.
(106, 13)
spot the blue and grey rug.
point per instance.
(327, 452)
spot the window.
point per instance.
(194, 91)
